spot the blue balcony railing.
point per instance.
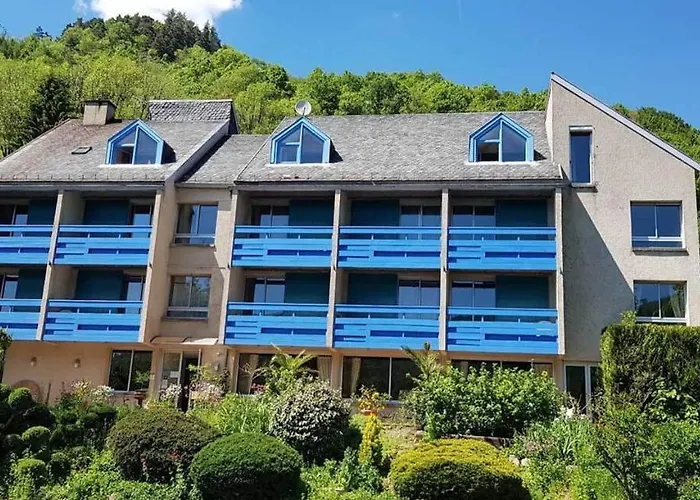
(390, 247)
(103, 245)
(288, 325)
(93, 320)
(20, 317)
(298, 246)
(385, 327)
(500, 330)
(24, 244)
(496, 248)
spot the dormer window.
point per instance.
(301, 142)
(501, 140)
(136, 144)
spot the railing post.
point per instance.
(444, 273)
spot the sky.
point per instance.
(638, 53)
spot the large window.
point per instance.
(473, 216)
(420, 216)
(136, 144)
(387, 375)
(300, 144)
(130, 370)
(473, 294)
(251, 378)
(662, 302)
(580, 140)
(15, 215)
(583, 383)
(501, 140)
(424, 293)
(270, 215)
(196, 225)
(189, 297)
(656, 225)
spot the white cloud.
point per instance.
(200, 11)
(81, 7)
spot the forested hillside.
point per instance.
(44, 79)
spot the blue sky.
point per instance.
(639, 53)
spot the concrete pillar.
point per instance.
(560, 270)
(335, 280)
(444, 273)
(337, 371)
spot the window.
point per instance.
(387, 375)
(656, 225)
(14, 215)
(189, 297)
(501, 139)
(473, 294)
(580, 155)
(473, 216)
(196, 225)
(662, 302)
(301, 143)
(420, 216)
(419, 293)
(583, 383)
(251, 380)
(130, 370)
(265, 291)
(135, 145)
(141, 214)
(270, 215)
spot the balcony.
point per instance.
(20, 317)
(502, 249)
(103, 245)
(284, 325)
(389, 247)
(385, 327)
(24, 244)
(300, 246)
(500, 330)
(93, 321)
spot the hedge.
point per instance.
(639, 360)
(247, 466)
(148, 445)
(458, 470)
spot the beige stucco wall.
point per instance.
(599, 265)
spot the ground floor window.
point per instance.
(250, 379)
(583, 382)
(465, 365)
(130, 370)
(391, 376)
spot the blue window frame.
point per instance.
(656, 225)
(501, 140)
(580, 148)
(135, 144)
(301, 142)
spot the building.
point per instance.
(130, 250)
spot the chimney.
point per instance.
(99, 112)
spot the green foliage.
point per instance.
(20, 399)
(247, 466)
(36, 439)
(313, 419)
(237, 414)
(348, 479)
(102, 481)
(4, 391)
(83, 418)
(59, 466)
(371, 446)
(655, 367)
(150, 445)
(497, 402)
(284, 370)
(690, 489)
(28, 475)
(456, 469)
(371, 400)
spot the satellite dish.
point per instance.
(303, 108)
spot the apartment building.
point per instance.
(130, 250)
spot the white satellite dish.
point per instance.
(303, 108)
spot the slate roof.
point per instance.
(405, 148)
(190, 110)
(49, 158)
(226, 161)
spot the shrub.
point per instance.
(456, 469)
(12, 443)
(36, 438)
(690, 489)
(20, 399)
(249, 466)
(237, 414)
(149, 445)
(4, 391)
(498, 402)
(655, 367)
(28, 475)
(59, 466)
(371, 446)
(313, 419)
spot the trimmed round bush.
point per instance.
(148, 445)
(59, 466)
(313, 419)
(36, 438)
(456, 469)
(247, 466)
(12, 443)
(4, 391)
(20, 399)
(30, 470)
